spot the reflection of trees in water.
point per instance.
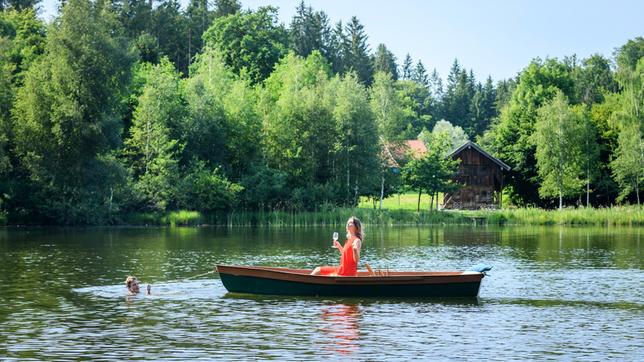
(340, 323)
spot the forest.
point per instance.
(117, 107)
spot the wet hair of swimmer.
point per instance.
(130, 282)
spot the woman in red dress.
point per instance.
(350, 252)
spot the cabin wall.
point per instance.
(482, 181)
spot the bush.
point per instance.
(207, 191)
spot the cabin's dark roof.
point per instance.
(469, 144)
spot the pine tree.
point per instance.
(385, 61)
(309, 31)
(420, 74)
(169, 26)
(198, 20)
(357, 51)
(407, 69)
(18, 4)
(337, 52)
(225, 7)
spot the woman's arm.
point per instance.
(357, 244)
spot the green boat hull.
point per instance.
(258, 285)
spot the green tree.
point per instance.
(198, 20)
(482, 108)
(18, 4)
(593, 80)
(559, 144)
(504, 90)
(356, 51)
(590, 149)
(628, 162)
(299, 128)
(6, 100)
(337, 49)
(151, 152)
(357, 148)
(136, 17)
(510, 138)
(207, 191)
(386, 108)
(64, 115)
(453, 136)
(603, 118)
(385, 61)
(170, 27)
(407, 68)
(457, 103)
(433, 172)
(249, 41)
(419, 75)
(22, 41)
(23, 37)
(417, 105)
(309, 31)
(222, 127)
(225, 7)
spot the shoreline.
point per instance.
(605, 217)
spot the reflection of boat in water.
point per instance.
(284, 281)
(340, 323)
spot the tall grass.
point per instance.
(625, 215)
(619, 215)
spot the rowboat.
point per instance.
(285, 281)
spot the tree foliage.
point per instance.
(152, 150)
(64, 113)
(249, 41)
(433, 172)
(129, 106)
(559, 149)
(385, 61)
(510, 138)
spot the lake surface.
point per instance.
(554, 293)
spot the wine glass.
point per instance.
(335, 237)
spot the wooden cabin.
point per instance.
(481, 177)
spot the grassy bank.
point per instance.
(625, 216)
(621, 215)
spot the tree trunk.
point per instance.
(637, 192)
(560, 200)
(431, 202)
(382, 189)
(588, 193)
(418, 206)
(436, 200)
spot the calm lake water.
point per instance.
(554, 293)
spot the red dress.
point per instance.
(348, 266)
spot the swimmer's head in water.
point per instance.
(132, 284)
